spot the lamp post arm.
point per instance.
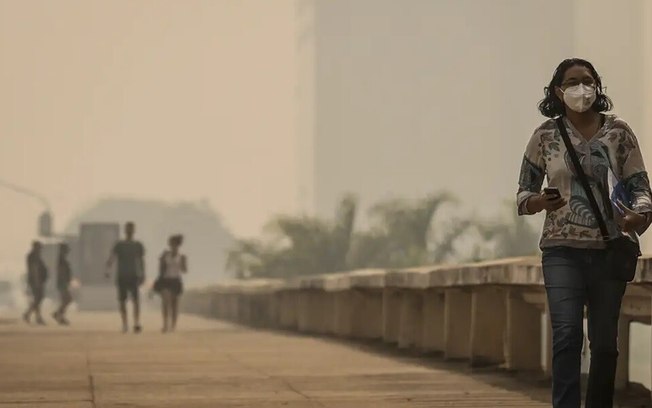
(21, 190)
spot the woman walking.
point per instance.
(64, 277)
(169, 284)
(597, 201)
(37, 276)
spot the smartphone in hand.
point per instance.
(554, 191)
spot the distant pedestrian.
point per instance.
(64, 277)
(130, 257)
(37, 275)
(169, 285)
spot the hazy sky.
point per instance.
(195, 99)
(177, 100)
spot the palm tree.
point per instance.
(506, 236)
(513, 238)
(245, 258)
(401, 235)
(369, 249)
(299, 245)
(444, 249)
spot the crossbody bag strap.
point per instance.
(583, 179)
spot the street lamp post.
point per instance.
(45, 219)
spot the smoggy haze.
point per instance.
(167, 99)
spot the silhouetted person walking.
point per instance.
(64, 276)
(169, 284)
(130, 257)
(37, 275)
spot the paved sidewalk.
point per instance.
(213, 364)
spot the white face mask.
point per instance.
(579, 97)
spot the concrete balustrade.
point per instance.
(391, 314)
(410, 327)
(487, 313)
(288, 316)
(522, 326)
(457, 324)
(432, 333)
(367, 318)
(488, 326)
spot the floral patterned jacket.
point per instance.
(611, 156)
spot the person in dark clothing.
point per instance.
(37, 275)
(130, 257)
(64, 276)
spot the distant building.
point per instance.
(402, 98)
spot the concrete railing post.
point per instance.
(303, 310)
(367, 314)
(374, 314)
(330, 317)
(240, 311)
(289, 309)
(343, 313)
(273, 317)
(457, 324)
(213, 305)
(311, 311)
(358, 314)
(218, 305)
(283, 321)
(433, 321)
(523, 333)
(322, 308)
(257, 309)
(488, 317)
(245, 301)
(410, 319)
(228, 307)
(391, 314)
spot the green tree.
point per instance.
(401, 235)
(506, 236)
(244, 259)
(299, 245)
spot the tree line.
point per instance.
(400, 233)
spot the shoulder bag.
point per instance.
(621, 253)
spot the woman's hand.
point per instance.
(631, 220)
(543, 201)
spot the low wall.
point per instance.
(489, 313)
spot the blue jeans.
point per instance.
(575, 278)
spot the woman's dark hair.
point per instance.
(176, 239)
(63, 251)
(551, 106)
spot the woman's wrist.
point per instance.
(645, 223)
(648, 217)
(532, 205)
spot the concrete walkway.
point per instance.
(213, 364)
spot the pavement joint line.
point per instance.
(281, 379)
(91, 381)
(40, 402)
(291, 387)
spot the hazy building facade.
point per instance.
(403, 98)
